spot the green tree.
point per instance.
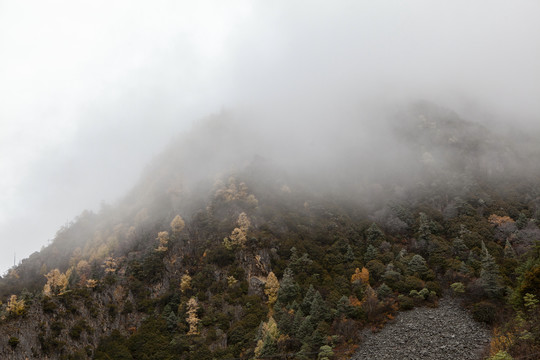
(417, 265)
(489, 274)
(374, 235)
(424, 227)
(371, 253)
(318, 310)
(288, 289)
(325, 353)
(267, 341)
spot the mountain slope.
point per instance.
(225, 249)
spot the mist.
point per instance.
(94, 92)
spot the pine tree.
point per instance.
(384, 291)
(344, 306)
(288, 289)
(298, 319)
(318, 309)
(509, 251)
(172, 320)
(308, 300)
(305, 329)
(371, 253)
(349, 254)
(459, 248)
(374, 235)
(424, 228)
(267, 339)
(489, 274)
(521, 221)
(325, 353)
(417, 265)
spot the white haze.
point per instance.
(91, 91)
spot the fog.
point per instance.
(93, 91)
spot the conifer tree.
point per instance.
(308, 299)
(424, 228)
(288, 289)
(374, 235)
(267, 342)
(371, 253)
(305, 329)
(489, 274)
(318, 310)
(509, 251)
(298, 319)
(417, 265)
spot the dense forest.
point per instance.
(218, 256)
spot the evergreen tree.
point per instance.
(349, 254)
(325, 353)
(308, 300)
(384, 291)
(374, 235)
(371, 253)
(268, 336)
(318, 310)
(288, 289)
(172, 321)
(509, 251)
(298, 319)
(305, 329)
(522, 221)
(459, 248)
(344, 306)
(417, 265)
(489, 275)
(424, 228)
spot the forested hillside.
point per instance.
(221, 252)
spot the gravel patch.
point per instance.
(445, 332)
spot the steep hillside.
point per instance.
(226, 250)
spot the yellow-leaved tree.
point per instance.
(57, 283)
(177, 225)
(192, 319)
(360, 277)
(163, 238)
(271, 288)
(238, 237)
(15, 307)
(185, 283)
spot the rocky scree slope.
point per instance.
(445, 332)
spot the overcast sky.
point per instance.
(92, 90)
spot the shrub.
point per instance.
(458, 288)
(13, 342)
(501, 355)
(484, 311)
(49, 306)
(405, 302)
